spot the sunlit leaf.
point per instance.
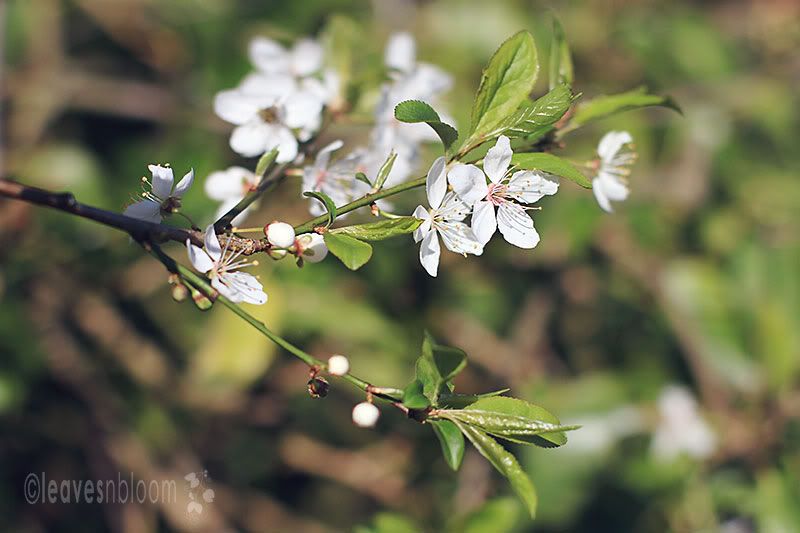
(350, 251)
(550, 164)
(452, 441)
(378, 231)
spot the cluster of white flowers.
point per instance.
(408, 80)
(160, 199)
(478, 192)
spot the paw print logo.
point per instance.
(199, 492)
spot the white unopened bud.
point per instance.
(338, 365)
(365, 415)
(313, 247)
(280, 234)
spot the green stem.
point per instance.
(202, 284)
(366, 200)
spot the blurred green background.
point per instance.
(695, 282)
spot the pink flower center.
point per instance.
(496, 194)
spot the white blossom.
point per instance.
(221, 267)
(507, 193)
(443, 219)
(312, 247)
(365, 415)
(681, 429)
(269, 111)
(280, 234)
(338, 365)
(161, 199)
(229, 187)
(270, 57)
(611, 183)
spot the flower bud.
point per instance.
(318, 387)
(365, 415)
(338, 365)
(312, 247)
(279, 234)
(179, 292)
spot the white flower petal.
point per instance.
(528, 186)
(436, 183)
(516, 225)
(484, 222)
(324, 156)
(429, 252)
(314, 247)
(228, 184)
(600, 196)
(211, 241)
(453, 208)
(422, 214)
(144, 210)
(611, 143)
(613, 187)
(282, 139)
(469, 183)
(162, 181)
(198, 258)
(306, 57)
(497, 159)
(268, 56)
(184, 184)
(459, 238)
(247, 287)
(266, 90)
(303, 110)
(252, 139)
(235, 107)
(401, 52)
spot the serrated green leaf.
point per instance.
(452, 441)
(413, 111)
(413, 397)
(603, 106)
(505, 463)
(516, 420)
(459, 401)
(326, 200)
(535, 115)
(266, 161)
(378, 231)
(507, 81)
(384, 171)
(350, 251)
(560, 59)
(550, 164)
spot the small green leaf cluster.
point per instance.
(482, 418)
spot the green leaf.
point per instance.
(326, 200)
(413, 111)
(550, 164)
(360, 176)
(560, 58)
(384, 171)
(459, 401)
(350, 251)
(413, 397)
(603, 106)
(452, 441)
(505, 463)
(506, 82)
(515, 420)
(533, 116)
(265, 162)
(378, 231)
(437, 366)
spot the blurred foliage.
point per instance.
(694, 281)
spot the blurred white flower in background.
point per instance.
(681, 429)
(229, 186)
(611, 182)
